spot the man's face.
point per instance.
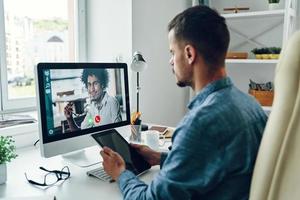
(179, 62)
(94, 87)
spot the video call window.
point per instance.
(77, 99)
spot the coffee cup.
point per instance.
(152, 139)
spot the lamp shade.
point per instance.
(138, 62)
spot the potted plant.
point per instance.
(275, 51)
(273, 4)
(266, 52)
(261, 53)
(7, 153)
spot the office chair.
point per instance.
(277, 169)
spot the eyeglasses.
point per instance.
(52, 177)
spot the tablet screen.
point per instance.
(112, 139)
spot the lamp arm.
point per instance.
(137, 91)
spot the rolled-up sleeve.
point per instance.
(133, 188)
(177, 178)
(163, 157)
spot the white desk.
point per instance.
(78, 186)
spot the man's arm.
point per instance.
(151, 156)
(68, 111)
(163, 157)
(194, 166)
(177, 178)
(72, 125)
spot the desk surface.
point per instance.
(78, 186)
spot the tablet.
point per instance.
(133, 160)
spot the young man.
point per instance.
(103, 109)
(214, 146)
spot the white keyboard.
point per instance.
(99, 173)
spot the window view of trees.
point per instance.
(32, 38)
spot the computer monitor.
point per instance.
(77, 99)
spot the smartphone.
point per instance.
(161, 129)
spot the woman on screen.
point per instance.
(103, 108)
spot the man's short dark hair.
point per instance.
(101, 74)
(206, 30)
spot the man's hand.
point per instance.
(151, 156)
(113, 163)
(68, 110)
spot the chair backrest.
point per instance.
(277, 168)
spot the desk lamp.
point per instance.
(138, 65)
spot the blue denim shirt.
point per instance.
(214, 148)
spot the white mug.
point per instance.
(152, 139)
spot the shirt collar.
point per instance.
(208, 89)
(103, 101)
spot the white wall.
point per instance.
(298, 16)
(120, 27)
(108, 30)
(161, 100)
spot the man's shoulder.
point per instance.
(230, 99)
(196, 120)
(111, 100)
(220, 110)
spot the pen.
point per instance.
(135, 117)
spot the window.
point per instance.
(34, 31)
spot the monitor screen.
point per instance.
(77, 99)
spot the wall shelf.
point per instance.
(267, 109)
(251, 61)
(267, 13)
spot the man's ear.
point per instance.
(190, 53)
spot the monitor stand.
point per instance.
(84, 158)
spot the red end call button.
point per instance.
(97, 119)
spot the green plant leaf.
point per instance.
(7, 149)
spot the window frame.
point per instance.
(2, 52)
(79, 34)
